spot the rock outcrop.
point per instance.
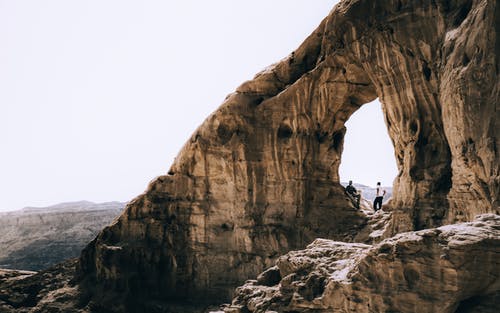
(51, 290)
(260, 176)
(453, 268)
(38, 238)
(54, 290)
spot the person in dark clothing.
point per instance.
(377, 203)
(353, 193)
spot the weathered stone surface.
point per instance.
(453, 268)
(260, 175)
(51, 290)
(379, 226)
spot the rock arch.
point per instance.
(260, 175)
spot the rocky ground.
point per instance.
(454, 268)
(38, 238)
(57, 290)
(51, 290)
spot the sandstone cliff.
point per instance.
(37, 238)
(260, 175)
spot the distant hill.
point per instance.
(369, 193)
(36, 238)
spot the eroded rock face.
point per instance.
(453, 268)
(260, 175)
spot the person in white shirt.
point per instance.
(377, 203)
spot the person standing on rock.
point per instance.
(353, 193)
(377, 203)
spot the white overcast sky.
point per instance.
(98, 97)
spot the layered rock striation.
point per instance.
(38, 238)
(260, 176)
(453, 268)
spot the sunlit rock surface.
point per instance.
(260, 176)
(453, 268)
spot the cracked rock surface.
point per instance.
(454, 268)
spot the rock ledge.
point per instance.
(454, 268)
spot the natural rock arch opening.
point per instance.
(368, 154)
(260, 175)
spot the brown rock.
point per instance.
(51, 290)
(453, 268)
(260, 176)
